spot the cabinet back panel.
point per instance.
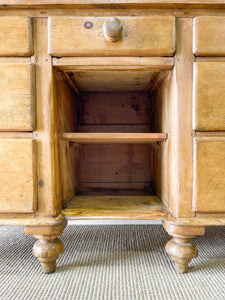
(115, 166)
(114, 112)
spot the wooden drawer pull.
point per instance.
(113, 29)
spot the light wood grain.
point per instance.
(209, 174)
(209, 98)
(112, 81)
(151, 36)
(203, 221)
(48, 176)
(16, 36)
(114, 138)
(208, 36)
(16, 135)
(120, 63)
(116, 3)
(210, 134)
(181, 124)
(115, 207)
(17, 96)
(180, 248)
(67, 121)
(17, 175)
(161, 100)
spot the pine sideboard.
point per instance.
(112, 110)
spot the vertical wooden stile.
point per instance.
(181, 171)
(49, 186)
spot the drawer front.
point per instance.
(15, 36)
(209, 175)
(80, 36)
(209, 36)
(17, 97)
(17, 175)
(209, 99)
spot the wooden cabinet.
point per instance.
(112, 112)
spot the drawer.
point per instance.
(17, 175)
(80, 36)
(17, 95)
(209, 175)
(209, 97)
(15, 36)
(209, 36)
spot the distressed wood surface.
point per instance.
(151, 36)
(115, 3)
(161, 100)
(67, 121)
(139, 207)
(208, 36)
(209, 97)
(180, 248)
(111, 80)
(114, 109)
(181, 119)
(17, 175)
(205, 220)
(49, 181)
(17, 97)
(209, 174)
(118, 63)
(115, 166)
(16, 36)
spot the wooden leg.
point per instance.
(180, 248)
(48, 247)
(47, 250)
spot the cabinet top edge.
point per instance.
(113, 3)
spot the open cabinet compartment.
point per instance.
(113, 141)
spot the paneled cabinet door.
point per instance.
(17, 97)
(209, 96)
(209, 174)
(17, 176)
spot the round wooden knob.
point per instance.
(113, 29)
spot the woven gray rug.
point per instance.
(124, 262)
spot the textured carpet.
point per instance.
(111, 262)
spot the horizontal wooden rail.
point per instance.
(114, 138)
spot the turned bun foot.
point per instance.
(48, 247)
(47, 250)
(181, 250)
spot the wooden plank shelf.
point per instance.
(114, 138)
(127, 207)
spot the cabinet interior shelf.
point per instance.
(114, 138)
(122, 205)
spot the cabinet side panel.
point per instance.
(161, 105)
(67, 103)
